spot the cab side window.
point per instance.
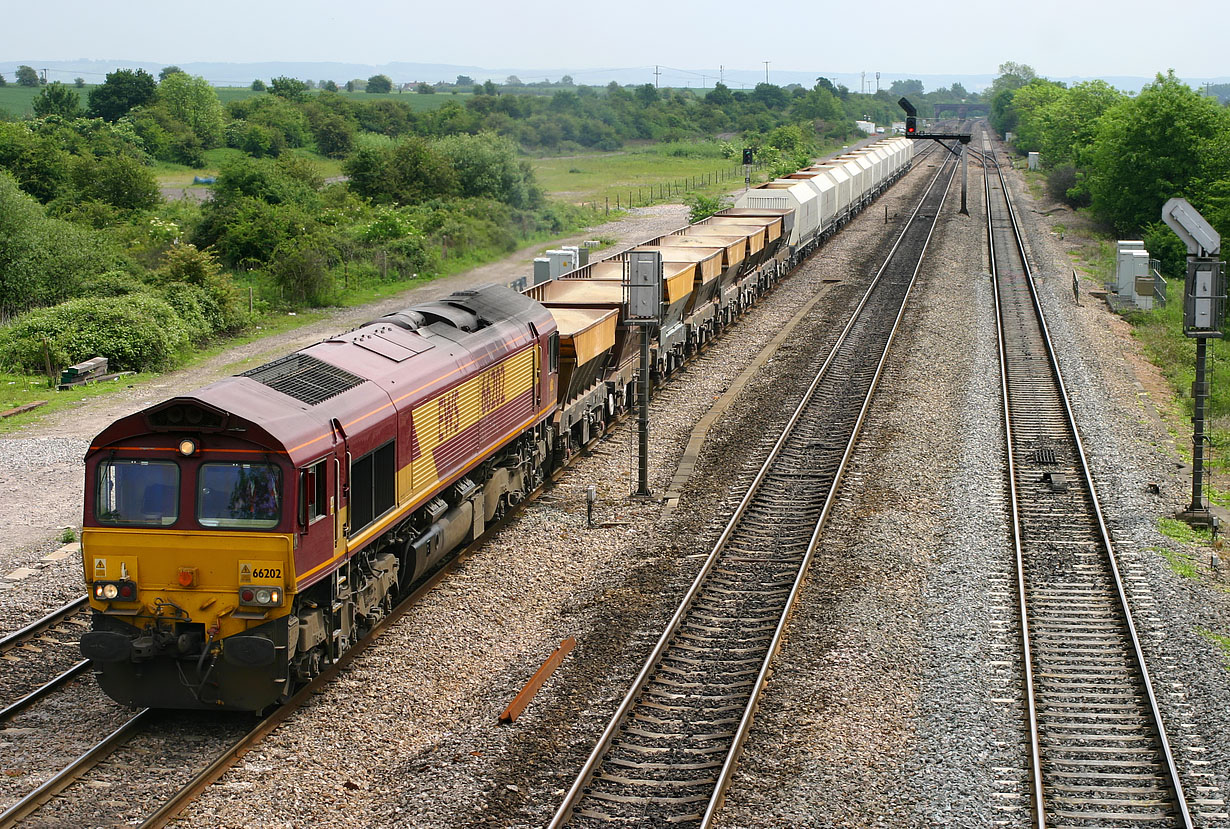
(554, 351)
(313, 493)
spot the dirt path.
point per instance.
(40, 466)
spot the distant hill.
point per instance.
(242, 74)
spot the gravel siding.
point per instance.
(892, 703)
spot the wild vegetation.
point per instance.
(319, 196)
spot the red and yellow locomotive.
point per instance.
(237, 539)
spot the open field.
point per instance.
(18, 101)
(648, 173)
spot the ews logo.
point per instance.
(492, 396)
(448, 414)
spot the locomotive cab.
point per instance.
(188, 542)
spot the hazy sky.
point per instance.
(1059, 38)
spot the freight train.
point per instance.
(238, 539)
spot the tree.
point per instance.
(258, 86)
(328, 86)
(910, 86)
(79, 83)
(1029, 106)
(292, 89)
(379, 84)
(464, 80)
(116, 180)
(3, 82)
(334, 134)
(43, 260)
(566, 81)
(820, 104)
(771, 95)
(959, 91)
(425, 89)
(512, 80)
(407, 173)
(123, 91)
(489, 88)
(168, 71)
(193, 101)
(486, 166)
(57, 99)
(26, 76)
(1162, 143)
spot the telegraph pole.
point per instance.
(656, 73)
(766, 71)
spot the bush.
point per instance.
(111, 283)
(702, 207)
(1064, 184)
(301, 271)
(195, 306)
(135, 332)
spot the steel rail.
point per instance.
(67, 775)
(1035, 752)
(15, 708)
(566, 809)
(15, 638)
(1103, 532)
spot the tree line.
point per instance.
(1123, 156)
(93, 259)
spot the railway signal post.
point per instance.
(643, 283)
(1204, 312)
(911, 131)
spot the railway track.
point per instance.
(670, 750)
(1099, 751)
(186, 742)
(42, 657)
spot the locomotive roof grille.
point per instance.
(304, 378)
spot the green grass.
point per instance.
(1160, 331)
(1182, 531)
(646, 174)
(1181, 563)
(18, 101)
(19, 389)
(1221, 640)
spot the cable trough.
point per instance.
(670, 750)
(1099, 751)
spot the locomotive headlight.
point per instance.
(263, 596)
(188, 447)
(110, 591)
